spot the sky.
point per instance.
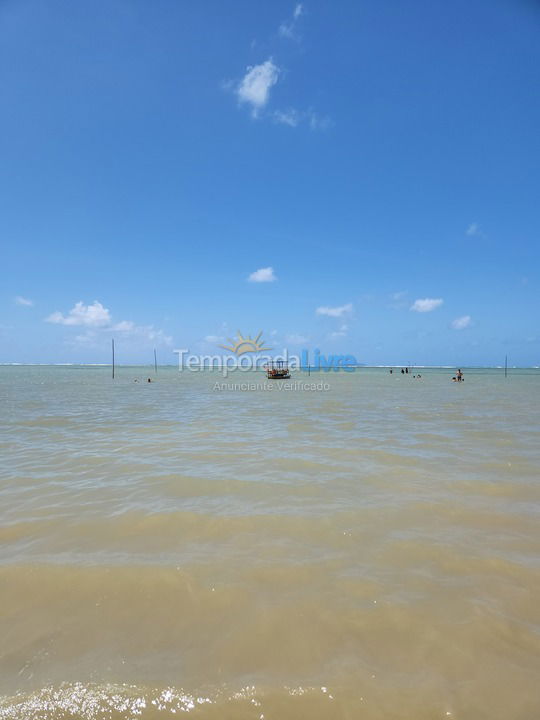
(361, 177)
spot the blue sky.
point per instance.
(361, 176)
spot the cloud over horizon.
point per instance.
(96, 317)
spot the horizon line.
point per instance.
(231, 367)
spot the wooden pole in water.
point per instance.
(505, 365)
(155, 361)
(112, 359)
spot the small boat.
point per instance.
(277, 370)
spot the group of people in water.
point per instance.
(458, 377)
(405, 371)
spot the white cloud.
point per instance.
(262, 275)
(254, 87)
(334, 311)
(461, 323)
(213, 339)
(98, 318)
(20, 300)
(287, 29)
(94, 315)
(426, 304)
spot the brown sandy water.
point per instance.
(370, 551)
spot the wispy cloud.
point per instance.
(289, 117)
(334, 311)
(398, 300)
(342, 332)
(426, 304)
(474, 230)
(287, 29)
(97, 319)
(20, 300)
(293, 117)
(254, 88)
(143, 333)
(126, 331)
(262, 275)
(461, 323)
(399, 295)
(318, 122)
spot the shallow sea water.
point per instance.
(369, 551)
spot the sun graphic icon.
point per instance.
(245, 344)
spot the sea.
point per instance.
(343, 545)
